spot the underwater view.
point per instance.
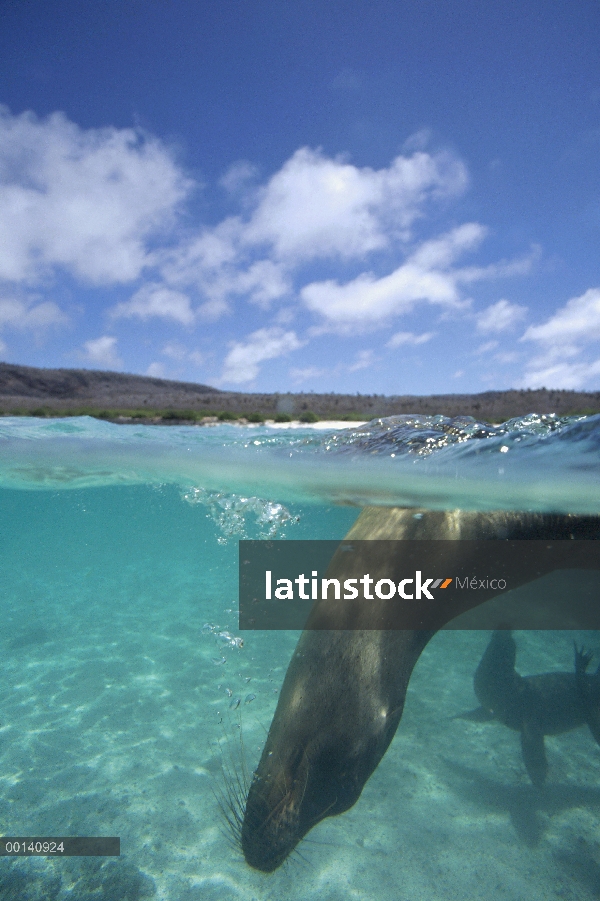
(131, 704)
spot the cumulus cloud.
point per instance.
(577, 322)
(242, 361)
(441, 252)
(83, 200)
(102, 352)
(561, 374)
(499, 317)
(402, 338)
(318, 207)
(24, 314)
(561, 342)
(215, 266)
(313, 208)
(156, 300)
(425, 276)
(101, 205)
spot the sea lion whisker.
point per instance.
(231, 795)
(231, 807)
(300, 858)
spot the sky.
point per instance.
(383, 197)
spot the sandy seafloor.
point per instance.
(115, 717)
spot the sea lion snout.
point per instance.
(288, 797)
(270, 827)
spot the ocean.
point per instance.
(128, 695)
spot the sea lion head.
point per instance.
(294, 788)
(338, 710)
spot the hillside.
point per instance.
(25, 389)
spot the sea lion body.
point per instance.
(344, 691)
(535, 706)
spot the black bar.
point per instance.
(473, 584)
(62, 846)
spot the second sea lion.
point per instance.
(535, 706)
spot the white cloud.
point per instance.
(401, 338)
(485, 348)
(176, 351)
(156, 370)
(316, 207)
(503, 268)
(101, 206)
(563, 374)
(500, 317)
(425, 276)
(25, 314)
(364, 359)
(242, 361)
(156, 300)
(441, 252)
(238, 176)
(102, 352)
(561, 342)
(368, 299)
(203, 256)
(84, 200)
(262, 283)
(216, 266)
(577, 322)
(213, 309)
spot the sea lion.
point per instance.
(535, 706)
(343, 694)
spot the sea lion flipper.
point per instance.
(534, 752)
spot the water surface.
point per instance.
(124, 680)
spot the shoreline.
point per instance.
(26, 390)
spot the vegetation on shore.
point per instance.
(207, 417)
(169, 417)
(121, 397)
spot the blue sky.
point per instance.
(383, 197)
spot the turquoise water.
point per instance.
(125, 686)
